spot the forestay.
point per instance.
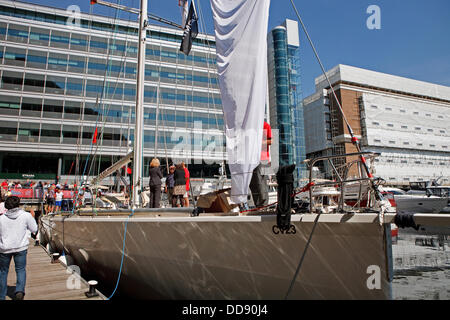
(241, 46)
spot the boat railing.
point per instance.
(341, 174)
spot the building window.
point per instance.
(50, 133)
(420, 144)
(388, 109)
(440, 117)
(12, 80)
(404, 127)
(375, 123)
(430, 130)
(404, 161)
(55, 85)
(428, 115)
(432, 145)
(39, 36)
(416, 113)
(417, 128)
(402, 111)
(390, 125)
(406, 143)
(34, 82)
(70, 134)
(377, 140)
(15, 57)
(444, 147)
(53, 109)
(72, 110)
(57, 61)
(28, 132)
(31, 107)
(37, 59)
(374, 107)
(8, 129)
(9, 105)
(392, 142)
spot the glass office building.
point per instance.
(60, 81)
(285, 97)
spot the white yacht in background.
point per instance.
(435, 199)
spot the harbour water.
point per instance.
(421, 267)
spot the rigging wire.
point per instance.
(123, 254)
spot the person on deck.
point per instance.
(258, 183)
(15, 227)
(179, 186)
(186, 176)
(170, 184)
(155, 184)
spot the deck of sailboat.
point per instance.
(157, 214)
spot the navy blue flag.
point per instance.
(190, 30)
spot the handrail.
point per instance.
(342, 180)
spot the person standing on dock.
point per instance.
(51, 199)
(2, 205)
(155, 184)
(58, 199)
(15, 228)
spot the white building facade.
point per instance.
(406, 121)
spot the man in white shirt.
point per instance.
(15, 227)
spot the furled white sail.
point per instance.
(241, 45)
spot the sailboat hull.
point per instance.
(230, 257)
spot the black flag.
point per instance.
(190, 30)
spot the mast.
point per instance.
(139, 128)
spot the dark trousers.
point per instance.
(170, 196)
(258, 187)
(155, 196)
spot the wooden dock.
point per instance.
(47, 280)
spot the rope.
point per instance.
(302, 258)
(123, 254)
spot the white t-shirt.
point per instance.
(59, 196)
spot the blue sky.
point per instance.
(413, 40)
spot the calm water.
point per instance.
(421, 271)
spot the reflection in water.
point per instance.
(421, 268)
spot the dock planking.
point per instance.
(47, 280)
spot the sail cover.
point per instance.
(241, 46)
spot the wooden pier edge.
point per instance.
(47, 280)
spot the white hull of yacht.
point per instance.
(419, 203)
(229, 257)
